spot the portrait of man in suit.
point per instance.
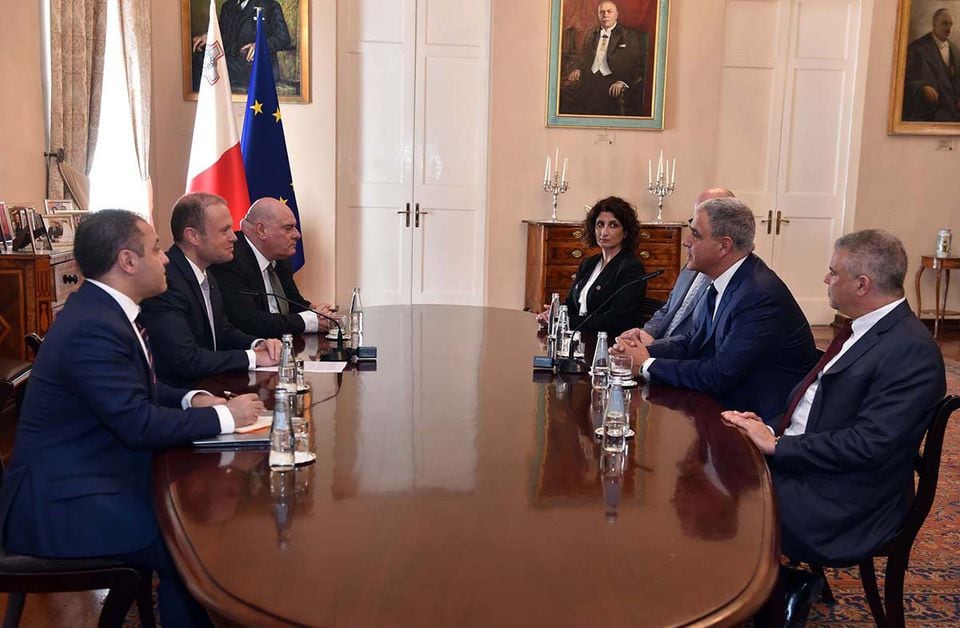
(238, 28)
(606, 53)
(931, 91)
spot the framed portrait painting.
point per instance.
(286, 23)
(57, 206)
(925, 94)
(608, 63)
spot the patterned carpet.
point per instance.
(932, 585)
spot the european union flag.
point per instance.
(262, 144)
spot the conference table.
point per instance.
(453, 486)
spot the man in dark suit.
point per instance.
(611, 67)
(931, 91)
(751, 344)
(192, 337)
(238, 29)
(675, 318)
(843, 466)
(79, 480)
(267, 239)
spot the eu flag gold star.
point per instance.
(276, 114)
(257, 107)
(283, 200)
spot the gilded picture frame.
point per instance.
(617, 85)
(925, 90)
(286, 21)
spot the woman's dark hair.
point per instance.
(623, 211)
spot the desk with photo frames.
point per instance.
(452, 488)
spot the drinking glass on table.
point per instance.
(621, 368)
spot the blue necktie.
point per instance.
(711, 306)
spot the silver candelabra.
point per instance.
(556, 187)
(664, 185)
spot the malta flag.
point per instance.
(264, 145)
(216, 164)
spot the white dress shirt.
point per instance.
(585, 291)
(720, 284)
(310, 320)
(600, 56)
(859, 327)
(132, 311)
(944, 47)
(201, 277)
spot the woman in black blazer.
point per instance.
(612, 225)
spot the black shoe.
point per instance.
(789, 604)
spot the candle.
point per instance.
(674, 179)
(546, 172)
(556, 159)
(649, 173)
(666, 173)
(660, 167)
(563, 177)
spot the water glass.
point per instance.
(301, 379)
(301, 434)
(621, 368)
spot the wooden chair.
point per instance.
(13, 376)
(888, 611)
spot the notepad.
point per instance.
(311, 366)
(263, 423)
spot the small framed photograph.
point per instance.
(58, 206)
(19, 216)
(6, 231)
(61, 228)
(38, 232)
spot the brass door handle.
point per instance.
(416, 215)
(406, 213)
(577, 253)
(768, 221)
(644, 254)
(781, 220)
(577, 234)
(644, 235)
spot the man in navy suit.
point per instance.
(79, 480)
(261, 263)
(192, 337)
(675, 318)
(843, 466)
(751, 344)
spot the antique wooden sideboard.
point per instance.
(555, 250)
(33, 288)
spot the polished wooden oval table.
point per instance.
(452, 488)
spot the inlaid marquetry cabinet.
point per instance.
(555, 250)
(33, 288)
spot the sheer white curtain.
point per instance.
(121, 171)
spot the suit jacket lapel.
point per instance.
(243, 251)
(616, 37)
(869, 339)
(128, 331)
(179, 261)
(607, 276)
(728, 294)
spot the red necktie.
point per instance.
(828, 355)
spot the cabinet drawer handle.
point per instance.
(644, 254)
(644, 235)
(70, 279)
(573, 276)
(577, 253)
(577, 234)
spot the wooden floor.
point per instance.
(69, 610)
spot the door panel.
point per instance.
(375, 103)
(784, 132)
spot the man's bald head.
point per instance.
(711, 193)
(271, 226)
(266, 210)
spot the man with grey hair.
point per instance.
(675, 318)
(261, 267)
(842, 454)
(751, 343)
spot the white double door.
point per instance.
(785, 145)
(412, 118)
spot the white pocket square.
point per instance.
(622, 46)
